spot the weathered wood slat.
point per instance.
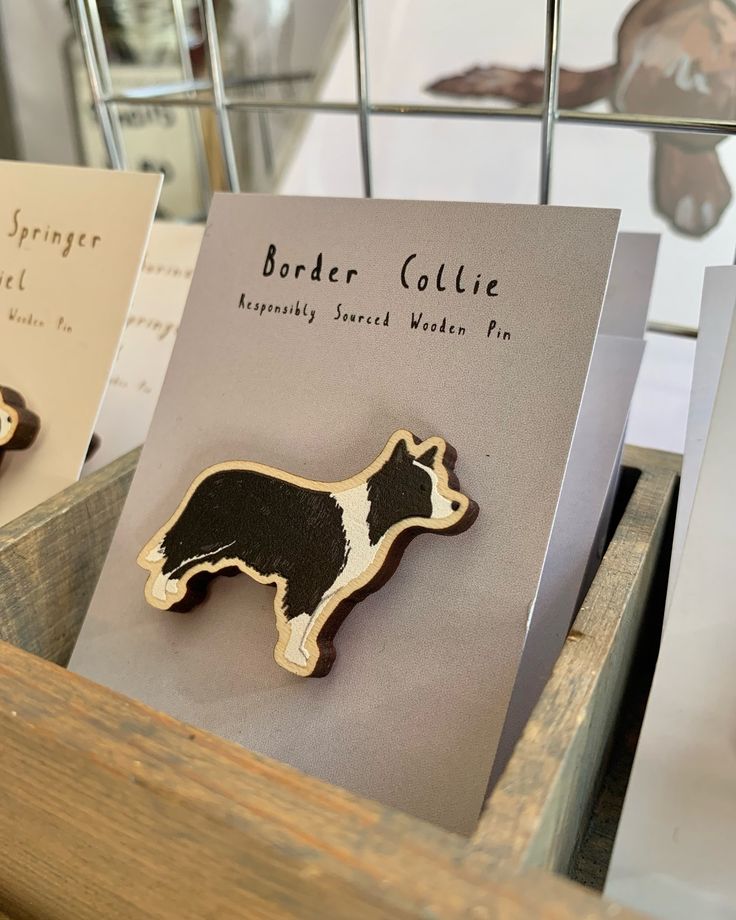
(646, 458)
(50, 559)
(540, 805)
(110, 809)
(150, 818)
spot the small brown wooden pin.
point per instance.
(94, 446)
(324, 545)
(18, 425)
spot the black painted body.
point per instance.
(282, 529)
(273, 526)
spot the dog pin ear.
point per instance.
(428, 457)
(401, 450)
(323, 545)
(18, 425)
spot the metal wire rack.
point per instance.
(189, 93)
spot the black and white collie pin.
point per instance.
(325, 545)
(18, 425)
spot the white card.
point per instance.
(716, 313)
(658, 417)
(149, 337)
(630, 284)
(71, 248)
(674, 853)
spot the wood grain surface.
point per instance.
(110, 809)
(540, 805)
(51, 557)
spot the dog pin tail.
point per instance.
(323, 545)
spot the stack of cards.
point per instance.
(578, 536)
(150, 333)
(71, 248)
(315, 330)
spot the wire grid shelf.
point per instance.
(187, 94)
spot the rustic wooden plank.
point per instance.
(644, 458)
(537, 833)
(110, 809)
(50, 559)
(539, 806)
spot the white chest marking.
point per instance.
(355, 508)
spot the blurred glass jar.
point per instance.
(142, 46)
(144, 31)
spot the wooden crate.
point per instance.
(111, 809)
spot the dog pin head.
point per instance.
(18, 425)
(324, 545)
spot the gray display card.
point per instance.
(580, 526)
(674, 851)
(366, 344)
(588, 490)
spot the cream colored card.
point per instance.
(149, 337)
(71, 246)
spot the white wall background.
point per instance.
(412, 42)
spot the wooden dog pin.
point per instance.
(18, 425)
(324, 545)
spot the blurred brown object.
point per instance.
(675, 58)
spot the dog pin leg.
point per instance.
(294, 651)
(164, 585)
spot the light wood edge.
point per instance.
(541, 801)
(14, 419)
(50, 559)
(646, 458)
(24, 423)
(110, 809)
(384, 557)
